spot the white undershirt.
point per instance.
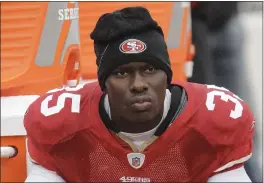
(139, 138)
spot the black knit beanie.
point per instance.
(129, 35)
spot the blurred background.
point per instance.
(228, 37)
(46, 45)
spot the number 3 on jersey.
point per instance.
(75, 101)
(236, 113)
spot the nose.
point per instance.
(138, 84)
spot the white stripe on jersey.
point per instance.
(235, 162)
(236, 175)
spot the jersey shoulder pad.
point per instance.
(57, 115)
(223, 117)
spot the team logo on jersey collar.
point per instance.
(136, 160)
(131, 46)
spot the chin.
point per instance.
(142, 117)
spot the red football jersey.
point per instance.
(212, 134)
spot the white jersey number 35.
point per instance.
(75, 104)
(236, 113)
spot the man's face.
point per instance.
(136, 92)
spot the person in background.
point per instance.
(218, 39)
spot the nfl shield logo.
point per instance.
(136, 160)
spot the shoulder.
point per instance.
(59, 113)
(229, 115)
(222, 116)
(225, 121)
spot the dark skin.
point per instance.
(136, 94)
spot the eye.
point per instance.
(120, 73)
(150, 70)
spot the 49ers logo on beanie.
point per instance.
(132, 46)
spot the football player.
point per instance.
(135, 124)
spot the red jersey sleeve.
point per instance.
(229, 126)
(236, 154)
(51, 119)
(38, 152)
